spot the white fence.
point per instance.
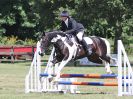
(125, 73)
(32, 79)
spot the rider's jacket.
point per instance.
(73, 26)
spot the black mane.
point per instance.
(53, 34)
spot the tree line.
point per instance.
(29, 18)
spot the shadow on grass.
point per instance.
(93, 93)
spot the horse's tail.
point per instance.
(112, 60)
(108, 46)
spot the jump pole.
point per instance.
(88, 83)
(98, 76)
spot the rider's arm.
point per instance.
(74, 27)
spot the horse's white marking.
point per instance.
(57, 38)
(74, 46)
(50, 69)
(88, 40)
(107, 67)
(63, 39)
(80, 35)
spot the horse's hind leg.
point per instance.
(107, 67)
(106, 58)
(106, 61)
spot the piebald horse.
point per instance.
(68, 49)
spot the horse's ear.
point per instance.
(43, 34)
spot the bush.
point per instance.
(11, 41)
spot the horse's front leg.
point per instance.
(50, 68)
(65, 60)
(50, 71)
(62, 64)
(68, 56)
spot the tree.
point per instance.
(105, 18)
(29, 18)
(17, 16)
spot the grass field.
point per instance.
(12, 84)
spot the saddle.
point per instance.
(73, 39)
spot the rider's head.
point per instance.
(64, 15)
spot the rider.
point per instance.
(70, 26)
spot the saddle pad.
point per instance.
(88, 40)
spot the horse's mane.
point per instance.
(53, 34)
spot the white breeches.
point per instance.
(80, 35)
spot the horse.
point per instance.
(68, 49)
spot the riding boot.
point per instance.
(87, 48)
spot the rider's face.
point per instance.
(63, 18)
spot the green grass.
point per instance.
(12, 84)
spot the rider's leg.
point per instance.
(86, 47)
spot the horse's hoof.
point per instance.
(50, 79)
(112, 73)
(54, 82)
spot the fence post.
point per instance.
(119, 68)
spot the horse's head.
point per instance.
(44, 43)
(49, 38)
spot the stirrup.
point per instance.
(89, 51)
